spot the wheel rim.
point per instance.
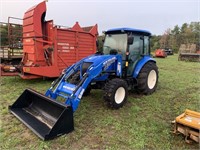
(120, 95)
(152, 78)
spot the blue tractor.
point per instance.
(124, 64)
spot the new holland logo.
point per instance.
(68, 88)
(109, 62)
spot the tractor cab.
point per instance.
(131, 43)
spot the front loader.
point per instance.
(125, 63)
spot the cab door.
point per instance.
(135, 52)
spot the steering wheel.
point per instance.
(113, 52)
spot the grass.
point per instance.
(143, 123)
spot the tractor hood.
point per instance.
(103, 63)
(98, 59)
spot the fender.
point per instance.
(140, 64)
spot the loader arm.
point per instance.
(73, 93)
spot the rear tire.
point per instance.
(148, 79)
(116, 91)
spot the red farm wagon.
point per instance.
(48, 49)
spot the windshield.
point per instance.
(116, 43)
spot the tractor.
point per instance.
(125, 63)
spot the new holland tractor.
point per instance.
(125, 63)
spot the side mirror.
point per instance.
(130, 40)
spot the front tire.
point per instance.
(116, 91)
(148, 79)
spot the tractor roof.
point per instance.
(137, 31)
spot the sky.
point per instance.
(155, 16)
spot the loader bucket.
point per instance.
(46, 117)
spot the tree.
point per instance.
(196, 31)
(3, 34)
(173, 38)
(155, 42)
(164, 41)
(176, 30)
(15, 34)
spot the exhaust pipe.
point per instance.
(46, 117)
